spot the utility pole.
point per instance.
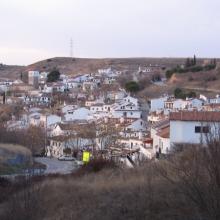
(71, 47)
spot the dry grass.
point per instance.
(76, 66)
(185, 186)
(11, 72)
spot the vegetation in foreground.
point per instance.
(184, 186)
(14, 158)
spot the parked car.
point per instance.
(66, 158)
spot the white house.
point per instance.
(193, 126)
(59, 87)
(160, 135)
(48, 120)
(132, 100)
(66, 129)
(107, 71)
(48, 88)
(78, 114)
(175, 104)
(215, 100)
(97, 107)
(72, 84)
(58, 144)
(158, 103)
(69, 109)
(195, 103)
(138, 125)
(156, 116)
(127, 110)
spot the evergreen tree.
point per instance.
(194, 60)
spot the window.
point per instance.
(200, 129)
(197, 129)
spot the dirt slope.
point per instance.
(74, 66)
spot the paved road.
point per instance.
(56, 166)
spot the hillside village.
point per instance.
(109, 110)
(93, 113)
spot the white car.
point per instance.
(67, 158)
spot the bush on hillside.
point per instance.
(53, 76)
(132, 87)
(180, 94)
(96, 165)
(193, 69)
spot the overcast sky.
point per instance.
(33, 30)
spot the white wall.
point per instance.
(157, 104)
(164, 145)
(129, 114)
(184, 131)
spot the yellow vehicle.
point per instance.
(86, 156)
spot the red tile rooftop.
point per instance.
(205, 116)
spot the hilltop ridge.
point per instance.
(72, 66)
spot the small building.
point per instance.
(193, 127)
(157, 103)
(160, 133)
(33, 78)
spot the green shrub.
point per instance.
(132, 86)
(180, 94)
(188, 69)
(53, 76)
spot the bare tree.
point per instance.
(195, 173)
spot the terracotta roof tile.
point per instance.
(206, 116)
